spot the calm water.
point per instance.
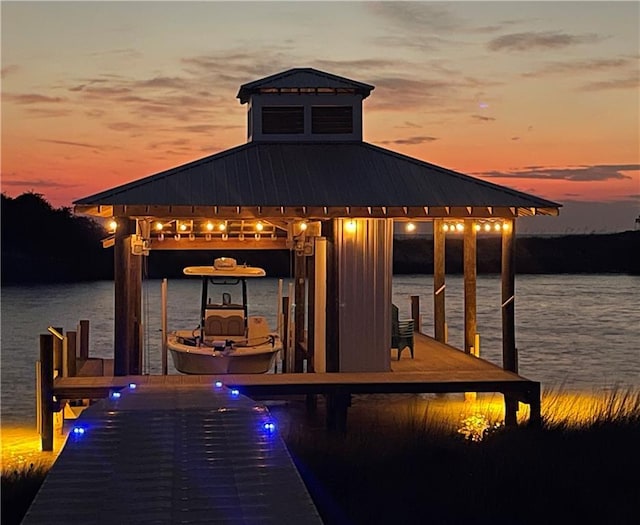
(573, 331)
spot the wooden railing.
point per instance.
(61, 355)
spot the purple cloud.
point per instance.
(599, 172)
(538, 40)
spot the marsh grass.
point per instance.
(19, 486)
(418, 467)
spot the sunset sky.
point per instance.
(540, 96)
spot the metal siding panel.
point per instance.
(365, 272)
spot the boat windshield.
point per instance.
(225, 293)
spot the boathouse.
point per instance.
(306, 181)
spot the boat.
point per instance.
(227, 340)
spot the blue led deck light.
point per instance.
(78, 431)
(133, 386)
(218, 384)
(115, 395)
(235, 392)
(270, 427)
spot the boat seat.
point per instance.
(224, 326)
(257, 328)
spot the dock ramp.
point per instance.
(174, 454)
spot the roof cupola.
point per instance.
(304, 105)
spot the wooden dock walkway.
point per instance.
(172, 452)
(436, 368)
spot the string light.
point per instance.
(487, 226)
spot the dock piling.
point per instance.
(83, 339)
(46, 392)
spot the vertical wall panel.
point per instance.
(365, 273)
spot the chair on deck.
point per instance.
(401, 332)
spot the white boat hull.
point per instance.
(205, 360)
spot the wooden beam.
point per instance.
(470, 278)
(439, 281)
(249, 243)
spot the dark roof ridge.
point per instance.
(246, 89)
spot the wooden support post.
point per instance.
(509, 357)
(311, 312)
(510, 410)
(509, 360)
(69, 355)
(39, 397)
(300, 272)
(535, 412)
(319, 324)
(285, 339)
(338, 403)
(163, 300)
(332, 338)
(83, 339)
(46, 391)
(128, 303)
(57, 350)
(439, 319)
(415, 313)
(470, 319)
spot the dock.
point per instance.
(436, 368)
(174, 452)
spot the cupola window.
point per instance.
(282, 120)
(331, 119)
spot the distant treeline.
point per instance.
(44, 244)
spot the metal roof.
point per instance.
(313, 174)
(302, 78)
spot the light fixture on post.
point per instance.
(113, 226)
(350, 226)
(410, 227)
